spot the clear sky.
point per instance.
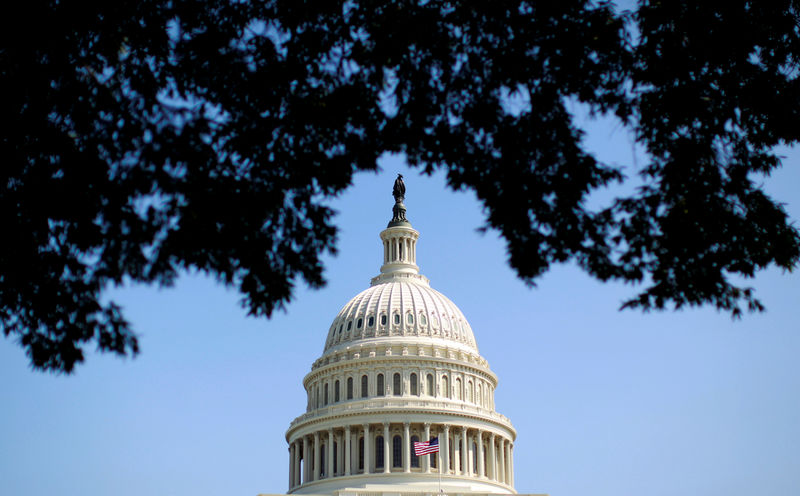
(605, 402)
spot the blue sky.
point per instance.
(605, 402)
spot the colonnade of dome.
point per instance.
(400, 365)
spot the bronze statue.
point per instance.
(399, 210)
(399, 189)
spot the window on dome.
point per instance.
(445, 389)
(326, 393)
(396, 380)
(422, 319)
(380, 385)
(359, 323)
(379, 452)
(336, 391)
(397, 452)
(364, 386)
(383, 319)
(414, 458)
(316, 400)
(370, 321)
(479, 396)
(361, 453)
(429, 385)
(349, 388)
(469, 391)
(349, 325)
(410, 318)
(397, 318)
(474, 458)
(458, 388)
(414, 388)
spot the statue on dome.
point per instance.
(399, 210)
(399, 189)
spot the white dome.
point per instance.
(400, 366)
(401, 309)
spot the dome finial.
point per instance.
(399, 209)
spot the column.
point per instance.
(456, 453)
(316, 456)
(387, 459)
(291, 465)
(348, 453)
(501, 469)
(296, 462)
(426, 460)
(465, 451)
(446, 448)
(510, 464)
(479, 442)
(406, 448)
(329, 468)
(306, 460)
(367, 461)
(492, 460)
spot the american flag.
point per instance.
(427, 447)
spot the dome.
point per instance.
(400, 311)
(400, 368)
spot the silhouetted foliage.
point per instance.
(141, 138)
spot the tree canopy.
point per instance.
(143, 138)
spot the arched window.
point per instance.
(397, 318)
(336, 391)
(397, 451)
(445, 389)
(380, 386)
(370, 321)
(316, 400)
(383, 319)
(458, 388)
(379, 452)
(429, 385)
(364, 386)
(359, 323)
(410, 318)
(414, 387)
(474, 458)
(414, 458)
(422, 319)
(396, 385)
(479, 396)
(349, 388)
(361, 453)
(326, 393)
(349, 325)
(469, 391)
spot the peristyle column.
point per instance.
(406, 450)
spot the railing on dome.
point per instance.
(381, 404)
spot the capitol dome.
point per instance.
(400, 365)
(400, 309)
